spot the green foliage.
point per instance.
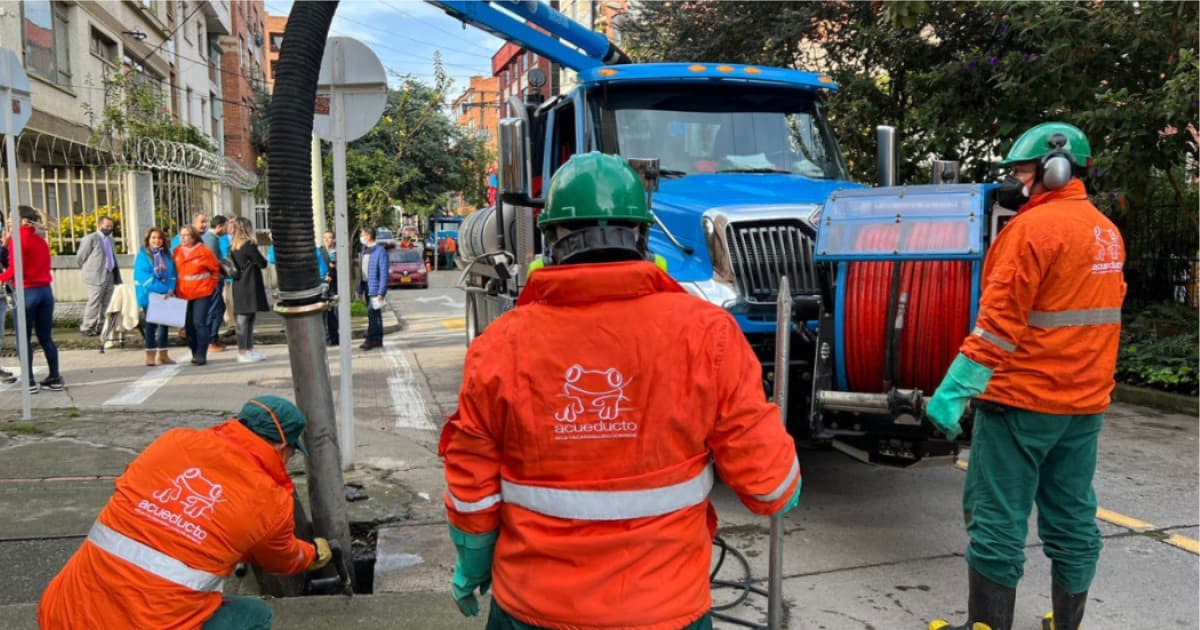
(135, 108)
(413, 157)
(358, 309)
(962, 80)
(260, 121)
(1159, 349)
(81, 225)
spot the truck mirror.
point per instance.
(514, 160)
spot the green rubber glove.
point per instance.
(472, 568)
(964, 380)
(795, 500)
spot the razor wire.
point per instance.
(168, 155)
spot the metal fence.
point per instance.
(178, 196)
(1161, 243)
(71, 184)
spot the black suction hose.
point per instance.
(289, 170)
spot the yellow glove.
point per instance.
(324, 554)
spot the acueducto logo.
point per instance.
(197, 497)
(596, 393)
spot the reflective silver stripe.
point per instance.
(1081, 317)
(609, 505)
(467, 507)
(778, 492)
(994, 339)
(153, 560)
(197, 276)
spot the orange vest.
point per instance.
(588, 425)
(198, 272)
(1049, 319)
(184, 513)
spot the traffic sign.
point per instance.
(14, 94)
(352, 77)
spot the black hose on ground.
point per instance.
(744, 585)
(289, 170)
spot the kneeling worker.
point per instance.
(589, 422)
(185, 512)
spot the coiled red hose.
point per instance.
(936, 309)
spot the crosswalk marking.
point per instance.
(138, 391)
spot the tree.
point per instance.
(961, 80)
(134, 107)
(413, 157)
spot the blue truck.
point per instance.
(749, 185)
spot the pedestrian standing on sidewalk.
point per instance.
(327, 269)
(581, 456)
(1040, 362)
(249, 292)
(198, 274)
(216, 303)
(39, 297)
(375, 271)
(184, 513)
(154, 272)
(98, 269)
(4, 374)
(230, 320)
(199, 224)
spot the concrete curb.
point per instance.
(1162, 401)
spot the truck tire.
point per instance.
(472, 316)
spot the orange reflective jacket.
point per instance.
(197, 270)
(588, 425)
(1050, 314)
(185, 512)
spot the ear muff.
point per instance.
(1056, 166)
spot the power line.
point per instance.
(199, 5)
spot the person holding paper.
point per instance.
(154, 273)
(199, 272)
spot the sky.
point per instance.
(404, 35)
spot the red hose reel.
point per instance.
(932, 299)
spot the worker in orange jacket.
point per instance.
(186, 511)
(1040, 362)
(589, 423)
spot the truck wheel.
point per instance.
(472, 318)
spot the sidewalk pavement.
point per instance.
(56, 472)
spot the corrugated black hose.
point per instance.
(289, 141)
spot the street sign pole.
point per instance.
(342, 224)
(351, 94)
(14, 98)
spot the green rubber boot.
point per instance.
(990, 606)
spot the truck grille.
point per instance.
(762, 251)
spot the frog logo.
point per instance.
(198, 495)
(1108, 251)
(598, 392)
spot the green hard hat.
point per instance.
(595, 187)
(1040, 140)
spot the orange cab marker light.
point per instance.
(607, 72)
(825, 79)
(753, 70)
(697, 68)
(724, 68)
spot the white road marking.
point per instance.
(407, 402)
(138, 391)
(449, 301)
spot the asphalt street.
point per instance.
(868, 548)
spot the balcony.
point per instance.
(217, 17)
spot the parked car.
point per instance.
(406, 268)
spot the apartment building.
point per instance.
(243, 76)
(276, 25)
(602, 16)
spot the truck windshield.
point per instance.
(717, 129)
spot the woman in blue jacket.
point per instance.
(154, 272)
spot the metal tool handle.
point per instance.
(783, 350)
(343, 573)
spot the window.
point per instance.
(142, 76)
(104, 47)
(242, 49)
(274, 69)
(45, 30)
(216, 118)
(187, 33)
(187, 108)
(276, 41)
(200, 36)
